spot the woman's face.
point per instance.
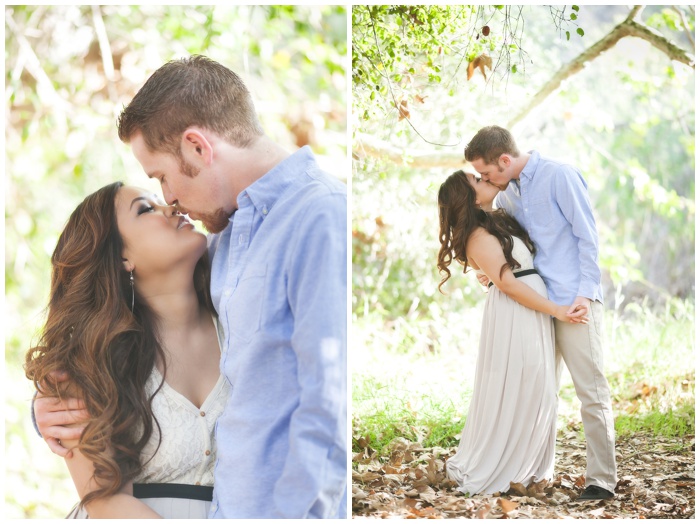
(485, 192)
(156, 239)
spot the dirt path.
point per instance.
(656, 480)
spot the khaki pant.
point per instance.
(580, 346)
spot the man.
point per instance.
(278, 247)
(549, 199)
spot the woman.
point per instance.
(510, 431)
(131, 322)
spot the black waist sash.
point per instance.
(521, 274)
(173, 491)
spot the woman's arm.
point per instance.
(121, 505)
(487, 253)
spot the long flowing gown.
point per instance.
(510, 432)
(186, 453)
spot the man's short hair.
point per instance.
(489, 144)
(193, 91)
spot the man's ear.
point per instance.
(504, 160)
(196, 147)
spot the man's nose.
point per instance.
(169, 197)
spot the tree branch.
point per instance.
(634, 12)
(365, 146)
(105, 51)
(627, 28)
(45, 89)
(684, 22)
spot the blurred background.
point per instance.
(565, 82)
(69, 70)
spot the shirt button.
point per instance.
(202, 413)
(207, 453)
(264, 211)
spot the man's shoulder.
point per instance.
(317, 188)
(553, 165)
(321, 182)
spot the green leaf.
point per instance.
(574, 7)
(580, 31)
(568, 35)
(514, 69)
(573, 16)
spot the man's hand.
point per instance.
(579, 310)
(483, 279)
(52, 415)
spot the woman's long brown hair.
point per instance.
(107, 351)
(459, 218)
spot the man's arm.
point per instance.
(313, 480)
(572, 198)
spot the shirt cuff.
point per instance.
(588, 290)
(36, 428)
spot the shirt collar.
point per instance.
(531, 165)
(264, 192)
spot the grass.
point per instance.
(422, 394)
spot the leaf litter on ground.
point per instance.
(656, 480)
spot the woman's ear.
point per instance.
(128, 266)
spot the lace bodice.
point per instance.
(187, 451)
(520, 253)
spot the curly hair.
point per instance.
(460, 217)
(108, 351)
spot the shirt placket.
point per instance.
(239, 242)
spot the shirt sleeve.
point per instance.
(314, 478)
(572, 198)
(36, 428)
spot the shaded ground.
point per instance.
(657, 480)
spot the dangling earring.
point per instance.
(131, 282)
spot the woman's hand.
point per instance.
(562, 313)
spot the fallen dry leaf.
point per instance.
(663, 488)
(507, 505)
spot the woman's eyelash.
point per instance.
(145, 209)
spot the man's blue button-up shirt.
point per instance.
(279, 285)
(553, 206)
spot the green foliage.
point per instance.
(399, 51)
(424, 398)
(672, 423)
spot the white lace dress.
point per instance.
(187, 452)
(510, 431)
